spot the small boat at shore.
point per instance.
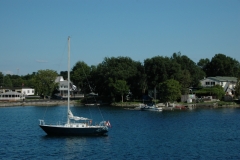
(157, 109)
(145, 107)
(92, 104)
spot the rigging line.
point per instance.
(87, 105)
(89, 109)
(91, 91)
(90, 112)
(100, 112)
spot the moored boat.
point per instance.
(145, 107)
(75, 126)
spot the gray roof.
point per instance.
(223, 79)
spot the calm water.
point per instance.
(197, 134)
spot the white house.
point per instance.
(27, 91)
(228, 83)
(11, 96)
(63, 88)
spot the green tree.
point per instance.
(117, 68)
(222, 65)
(7, 81)
(169, 91)
(21, 81)
(80, 76)
(156, 69)
(177, 67)
(216, 91)
(120, 87)
(17, 81)
(196, 73)
(28, 80)
(1, 79)
(185, 81)
(143, 83)
(203, 63)
(45, 82)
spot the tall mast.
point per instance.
(68, 110)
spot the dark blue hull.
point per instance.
(68, 131)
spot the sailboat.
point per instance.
(75, 126)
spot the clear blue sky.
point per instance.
(33, 33)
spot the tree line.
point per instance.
(116, 77)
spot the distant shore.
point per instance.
(36, 103)
(190, 105)
(125, 105)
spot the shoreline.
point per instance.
(36, 103)
(127, 105)
(188, 106)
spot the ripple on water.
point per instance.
(197, 134)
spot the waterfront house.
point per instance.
(27, 91)
(63, 89)
(228, 83)
(12, 96)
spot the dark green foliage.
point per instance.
(178, 67)
(28, 80)
(45, 82)
(156, 69)
(203, 63)
(64, 74)
(80, 76)
(113, 69)
(22, 81)
(222, 65)
(187, 65)
(7, 81)
(169, 91)
(119, 87)
(1, 79)
(138, 77)
(216, 91)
